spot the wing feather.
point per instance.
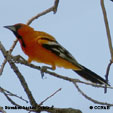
(56, 48)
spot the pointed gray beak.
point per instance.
(12, 28)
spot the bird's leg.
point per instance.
(44, 68)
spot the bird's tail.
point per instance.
(91, 76)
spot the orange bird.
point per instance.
(42, 47)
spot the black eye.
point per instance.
(17, 26)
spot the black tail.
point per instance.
(91, 76)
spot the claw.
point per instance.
(43, 69)
(17, 58)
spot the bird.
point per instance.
(42, 47)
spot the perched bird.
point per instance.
(43, 48)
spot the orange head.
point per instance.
(20, 30)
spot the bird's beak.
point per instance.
(12, 28)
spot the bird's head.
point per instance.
(19, 29)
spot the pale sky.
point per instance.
(79, 27)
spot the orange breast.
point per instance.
(39, 54)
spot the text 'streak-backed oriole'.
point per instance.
(42, 47)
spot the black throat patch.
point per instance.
(20, 38)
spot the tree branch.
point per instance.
(11, 94)
(107, 73)
(107, 29)
(5, 61)
(53, 8)
(89, 98)
(10, 100)
(49, 96)
(63, 110)
(109, 40)
(2, 110)
(56, 110)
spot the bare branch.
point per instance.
(109, 40)
(89, 98)
(50, 96)
(107, 29)
(1, 110)
(62, 110)
(11, 94)
(107, 73)
(5, 61)
(43, 108)
(53, 8)
(10, 100)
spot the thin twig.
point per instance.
(106, 76)
(2, 110)
(50, 96)
(5, 61)
(53, 8)
(89, 98)
(10, 100)
(107, 29)
(109, 40)
(11, 94)
(14, 103)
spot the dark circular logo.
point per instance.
(90, 107)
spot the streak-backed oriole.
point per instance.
(42, 47)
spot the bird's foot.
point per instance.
(18, 58)
(43, 69)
